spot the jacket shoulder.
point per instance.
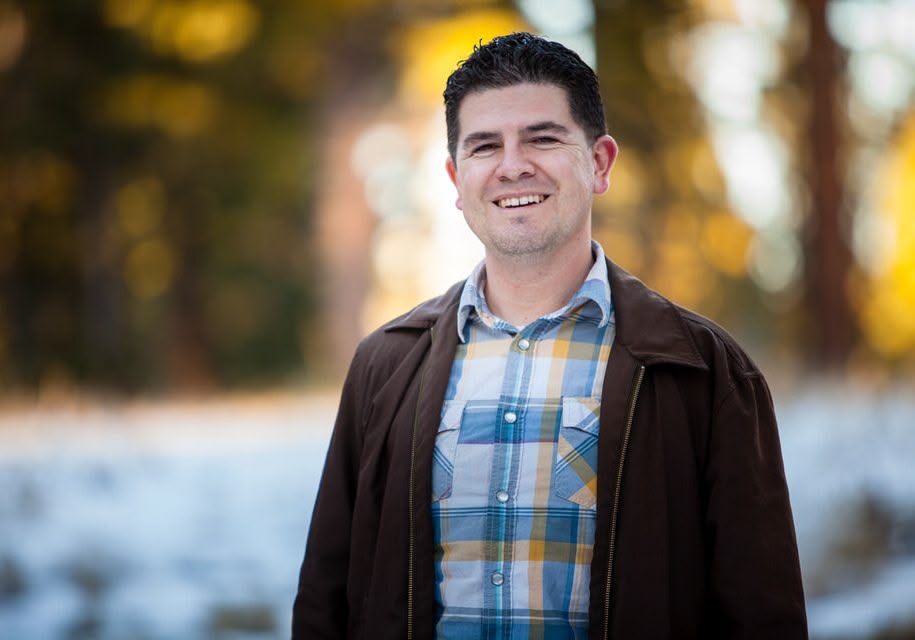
(715, 344)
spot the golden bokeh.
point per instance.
(150, 268)
(678, 269)
(430, 50)
(888, 315)
(622, 247)
(627, 183)
(13, 32)
(179, 108)
(213, 29)
(704, 170)
(197, 31)
(725, 242)
(718, 9)
(185, 110)
(126, 13)
(681, 274)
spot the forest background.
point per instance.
(218, 194)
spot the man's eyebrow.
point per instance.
(546, 125)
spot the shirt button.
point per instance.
(511, 417)
(524, 344)
(502, 496)
(497, 579)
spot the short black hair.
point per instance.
(522, 57)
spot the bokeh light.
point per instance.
(198, 30)
(13, 34)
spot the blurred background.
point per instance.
(205, 204)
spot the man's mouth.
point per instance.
(522, 201)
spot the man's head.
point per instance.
(524, 58)
(528, 148)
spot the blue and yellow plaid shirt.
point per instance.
(514, 471)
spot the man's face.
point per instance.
(525, 172)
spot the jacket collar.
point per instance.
(648, 325)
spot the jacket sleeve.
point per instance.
(321, 610)
(755, 572)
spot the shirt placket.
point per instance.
(507, 450)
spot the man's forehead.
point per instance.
(515, 108)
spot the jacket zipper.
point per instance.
(633, 399)
(411, 502)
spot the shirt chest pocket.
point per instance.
(575, 470)
(449, 429)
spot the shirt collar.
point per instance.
(592, 301)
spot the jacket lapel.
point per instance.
(648, 325)
(439, 320)
(649, 332)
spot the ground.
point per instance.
(187, 519)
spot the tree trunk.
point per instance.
(831, 325)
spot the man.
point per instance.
(550, 449)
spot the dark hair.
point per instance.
(523, 57)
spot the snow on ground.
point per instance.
(180, 521)
(850, 463)
(188, 519)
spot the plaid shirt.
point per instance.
(514, 468)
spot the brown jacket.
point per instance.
(694, 536)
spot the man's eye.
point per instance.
(484, 148)
(545, 140)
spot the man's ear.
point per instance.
(604, 153)
(451, 168)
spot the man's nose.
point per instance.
(515, 163)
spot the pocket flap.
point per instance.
(582, 414)
(452, 413)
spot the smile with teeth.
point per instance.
(508, 203)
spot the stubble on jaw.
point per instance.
(516, 242)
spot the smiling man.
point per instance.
(550, 449)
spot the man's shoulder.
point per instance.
(713, 340)
(659, 329)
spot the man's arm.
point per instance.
(321, 604)
(755, 571)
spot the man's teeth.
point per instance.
(520, 202)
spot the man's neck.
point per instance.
(521, 291)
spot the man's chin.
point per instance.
(523, 248)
